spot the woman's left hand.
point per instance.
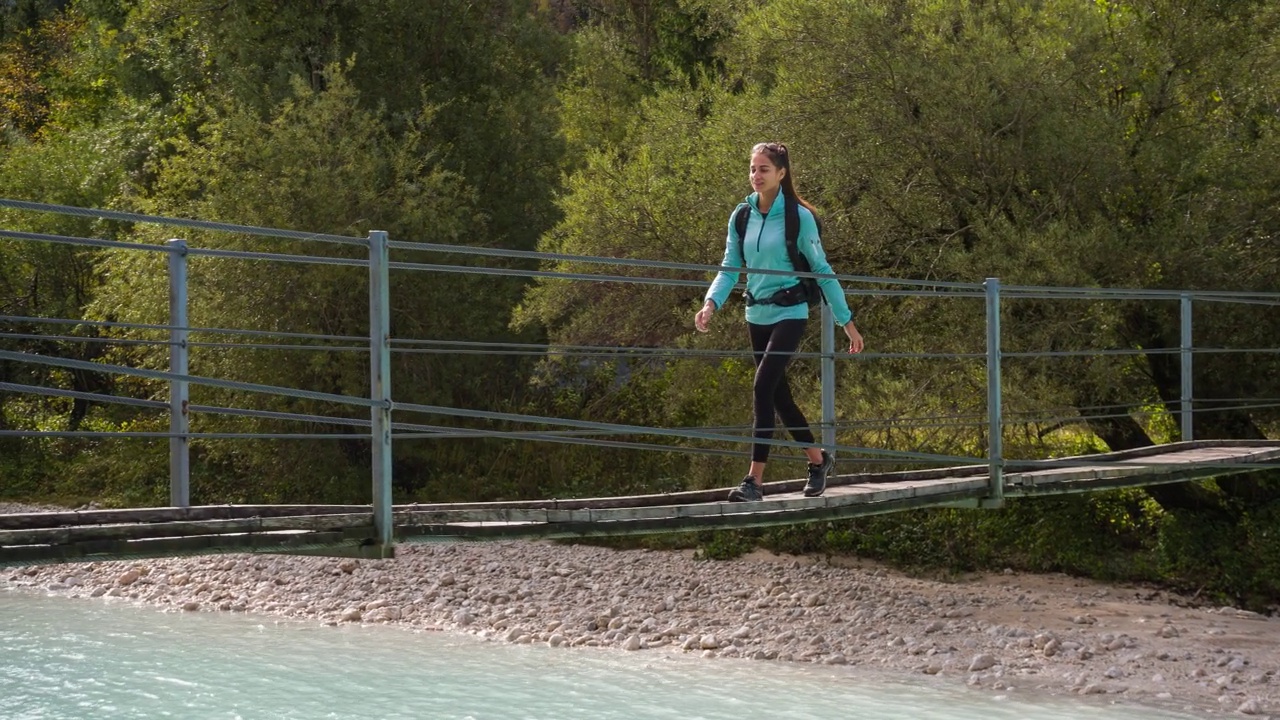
(855, 338)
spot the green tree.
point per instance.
(463, 147)
(322, 158)
(484, 67)
(44, 280)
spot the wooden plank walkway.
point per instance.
(348, 529)
(1155, 465)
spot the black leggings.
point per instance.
(772, 347)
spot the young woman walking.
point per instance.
(777, 307)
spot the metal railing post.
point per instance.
(179, 390)
(1185, 353)
(380, 387)
(995, 435)
(828, 365)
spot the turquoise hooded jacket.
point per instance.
(764, 246)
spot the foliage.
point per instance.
(727, 544)
(1225, 560)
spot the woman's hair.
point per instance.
(781, 158)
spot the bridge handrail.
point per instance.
(975, 289)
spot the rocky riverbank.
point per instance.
(1001, 633)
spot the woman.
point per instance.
(777, 308)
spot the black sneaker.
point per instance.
(748, 491)
(818, 475)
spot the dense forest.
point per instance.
(1104, 143)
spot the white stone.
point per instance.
(981, 662)
(1250, 707)
(388, 613)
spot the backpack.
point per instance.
(791, 219)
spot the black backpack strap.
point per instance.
(791, 217)
(740, 218)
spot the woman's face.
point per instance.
(766, 177)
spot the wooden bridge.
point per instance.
(374, 530)
(348, 530)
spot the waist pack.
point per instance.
(786, 297)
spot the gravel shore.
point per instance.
(1001, 633)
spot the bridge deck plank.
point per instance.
(347, 529)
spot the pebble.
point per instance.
(1250, 707)
(981, 662)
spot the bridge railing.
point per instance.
(380, 429)
(1171, 356)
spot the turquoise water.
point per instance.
(62, 658)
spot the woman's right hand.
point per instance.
(704, 316)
